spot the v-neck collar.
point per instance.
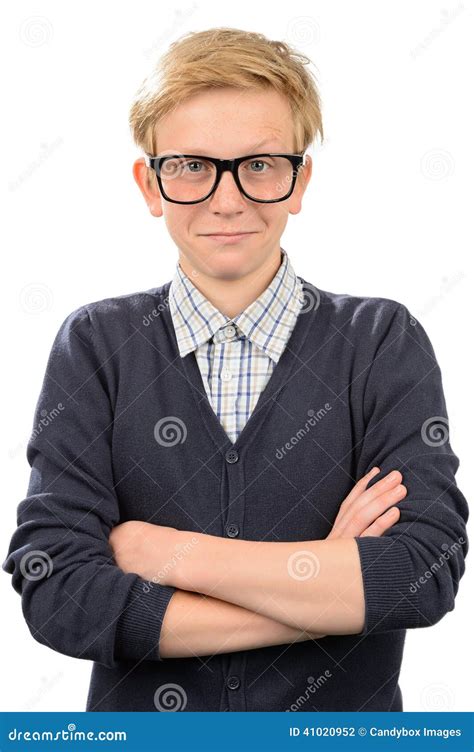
(280, 376)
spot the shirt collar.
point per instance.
(267, 321)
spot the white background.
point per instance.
(386, 214)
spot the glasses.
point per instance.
(190, 179)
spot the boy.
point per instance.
(219, 507)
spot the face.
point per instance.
(226, 123)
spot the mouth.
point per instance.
(228, 236)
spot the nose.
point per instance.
(227, 196)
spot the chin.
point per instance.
(228, 263)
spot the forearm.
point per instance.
(195, 625)
(308, 585)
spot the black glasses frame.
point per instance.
(221, 166)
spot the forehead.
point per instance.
(223, 122)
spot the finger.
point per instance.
(362, 515)
(390, 481)
(360, 496)
(382, 523)
(360, 485)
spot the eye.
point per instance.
(260, 165)
(194, 165)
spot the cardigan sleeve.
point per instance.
(75, 599)
(411, 574)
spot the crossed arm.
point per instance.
(237, 594)
(266, 593)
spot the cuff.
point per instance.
(139, 626)
(391, 595)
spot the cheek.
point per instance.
(268, 218)
(180, 220)
(275, 217)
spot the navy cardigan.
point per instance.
(358, 385)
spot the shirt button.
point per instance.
(233, 682)
(232, 530)
(229, 332)
(232, 456)
(226, 375)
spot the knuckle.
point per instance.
(379, 505)
(357, 520)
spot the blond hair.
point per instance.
(226, 57)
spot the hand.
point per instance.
(145, 549)
(369, 512)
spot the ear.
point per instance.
(304, 175)
(145, 178)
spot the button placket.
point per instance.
(234, 503)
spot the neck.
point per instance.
(233, 296)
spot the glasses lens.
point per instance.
(192, 178)
(187, 178)
(266, 178)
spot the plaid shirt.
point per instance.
(236, 356)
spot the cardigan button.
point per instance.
(232, 530)
(233, 682)
(232, 456)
